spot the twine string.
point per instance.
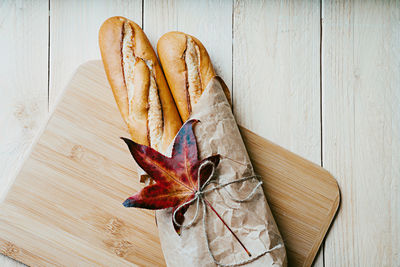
(199, 198)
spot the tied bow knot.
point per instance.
(199, 194)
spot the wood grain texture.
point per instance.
(276, 81)
(210, 21)
(361, 129)
(23, 84)
(74, 27)
(65, 205)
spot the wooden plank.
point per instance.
(65, 206)
(276, 70)
(23, 80)
(209, 21)
(361, 129)
(23, 90)
(74, 27)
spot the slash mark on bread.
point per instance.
(192, 61)
(153, 109)
(189, 106)
(155, 115)
(121, 43)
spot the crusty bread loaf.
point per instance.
(187, 67)
(138, 83)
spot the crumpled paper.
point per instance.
(252, 221)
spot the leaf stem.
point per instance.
(240, 242)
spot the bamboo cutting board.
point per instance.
(64, 207)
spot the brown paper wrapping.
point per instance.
(252, 221)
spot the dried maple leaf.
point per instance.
(175, 177)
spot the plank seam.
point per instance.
(232, 55)
(143, 15)
(48, 60)
(320, 104)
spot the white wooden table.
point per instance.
(320, 78)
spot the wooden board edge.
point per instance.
(325, 229)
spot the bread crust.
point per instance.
(138, 83)
(173, 49)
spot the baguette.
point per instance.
(188, 69)
(138, 84)
(189, 73)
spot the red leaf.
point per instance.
(176, 177)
